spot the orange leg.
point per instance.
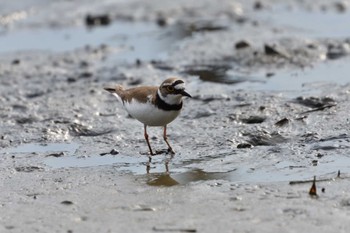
(166, 140)
(146, 137)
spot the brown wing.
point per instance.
(141, 94)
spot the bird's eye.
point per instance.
(170, 88)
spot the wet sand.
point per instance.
(270, 108)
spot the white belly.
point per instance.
(149, 114)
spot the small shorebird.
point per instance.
(152, 105)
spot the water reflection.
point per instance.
(166, 171)
(168, 179)
(162, 179)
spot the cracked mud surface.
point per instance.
(270, 106)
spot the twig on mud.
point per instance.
(174, 229)
(319, 109)
(319, 180)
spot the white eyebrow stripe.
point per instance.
(180, 86)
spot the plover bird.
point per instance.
(152, 105)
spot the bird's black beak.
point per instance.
(184, 93)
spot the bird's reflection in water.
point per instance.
(168, 179)
(162, 179)
(166, 163)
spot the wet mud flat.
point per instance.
(270, 85)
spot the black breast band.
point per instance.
(161, 104)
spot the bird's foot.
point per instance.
(171, 151)
(163, 151)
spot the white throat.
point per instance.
(171, 99)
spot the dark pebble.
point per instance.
(97, 20)
(271, 51)
(57, 155)
(28, 169)
(85, 74)
(138, 62)
(270, 74)
(16, 62)
(282, 122)
(314, 102)
(67, 203)
(84, 64)
(26, 120)
(242, 44)
(257, 5)
(262, 108)
(161, 21)
(244, 145)
(71, 80)
(254, 120)
(341, 7)
(266, 139)
(35, 94)
(114, 152)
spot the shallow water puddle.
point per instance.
(164, 172)
(193, 175)
(331, 24)
(131, 40)
(41, 148)
(314, 79)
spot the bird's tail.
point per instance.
(117, 91)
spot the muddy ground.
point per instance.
(271, 97)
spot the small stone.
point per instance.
(84, 64)
(242, 44)
(57, 155)
(244, 145)
(161, 21)
(97, 20)
(28, 169)
(138, 62)
(257, 5)
(262, 108)
(270, 74)
(114, 152)
(71, 80)
(282, 122)
(276, 51)
(67, 203)
(85, 74)
(341, 7)
(16, 62)
(254, 120)
(271, 51)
